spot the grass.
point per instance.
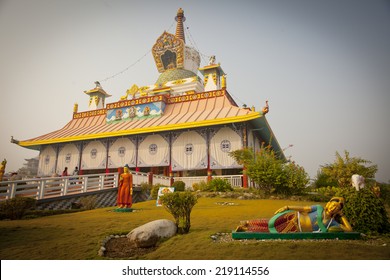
(78, 236)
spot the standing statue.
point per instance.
(302, 219)
(125, 189)
(212, 60)
(265, 109)
(2, 169)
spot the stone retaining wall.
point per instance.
(103, 198)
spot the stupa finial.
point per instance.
(180, 18)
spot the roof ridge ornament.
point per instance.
(180, 18)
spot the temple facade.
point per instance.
(185, 124)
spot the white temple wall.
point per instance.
(94, 155)
(184, 150)
(47, 162)
(121, 151)
(189, 151)
(68, 156)
(224, 140)
(153, 150)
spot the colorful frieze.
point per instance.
(140, 111)
(88, 114)
(196, 96)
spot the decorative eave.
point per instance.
(97, 90)
(262, 128)
(152, 129)
(210, 67)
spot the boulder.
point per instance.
(149, 234)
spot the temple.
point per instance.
(185, 124)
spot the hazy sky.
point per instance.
(324, 66)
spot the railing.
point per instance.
(189, 181)
(40, 188)
(162, 180)
(139, 178)
(234, 180)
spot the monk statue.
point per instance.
(125, 189)
(302, 219)
(2, 169)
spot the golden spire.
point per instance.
(179, 27)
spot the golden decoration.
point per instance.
(131, 91)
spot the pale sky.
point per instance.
(324, 66)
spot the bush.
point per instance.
(201, 186)
(219, 185)
(15, 208)
(385, 193)
(365, 211)
(179, 186)
(146, 188)
(180, 205)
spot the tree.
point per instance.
(343, 168)
(180, 205)
(270, 173)
(297, 178)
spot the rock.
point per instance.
(149, 234)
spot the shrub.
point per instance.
(146, 187)
(179, 186)
(365, 211)
(385, 193)
(15, 208)
(219, 185)
(201, 186)
(180, 205)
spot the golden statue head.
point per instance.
(126, 169)
(334, 206)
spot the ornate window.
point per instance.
(93, 153)
(226, 146)
(189, 148)
(121, 151)
(152, 149)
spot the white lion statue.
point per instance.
(357, 181)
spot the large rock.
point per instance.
(148, 234)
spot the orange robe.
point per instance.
(125, 190)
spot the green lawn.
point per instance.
(78, 236)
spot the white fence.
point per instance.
(234, 180)
(40, 188)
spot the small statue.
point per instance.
(376, 190)
(125, 189)
(2, 169)
(265, 109)
(212, 60)
(302, 219)
(97, 84)
(358, 182)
